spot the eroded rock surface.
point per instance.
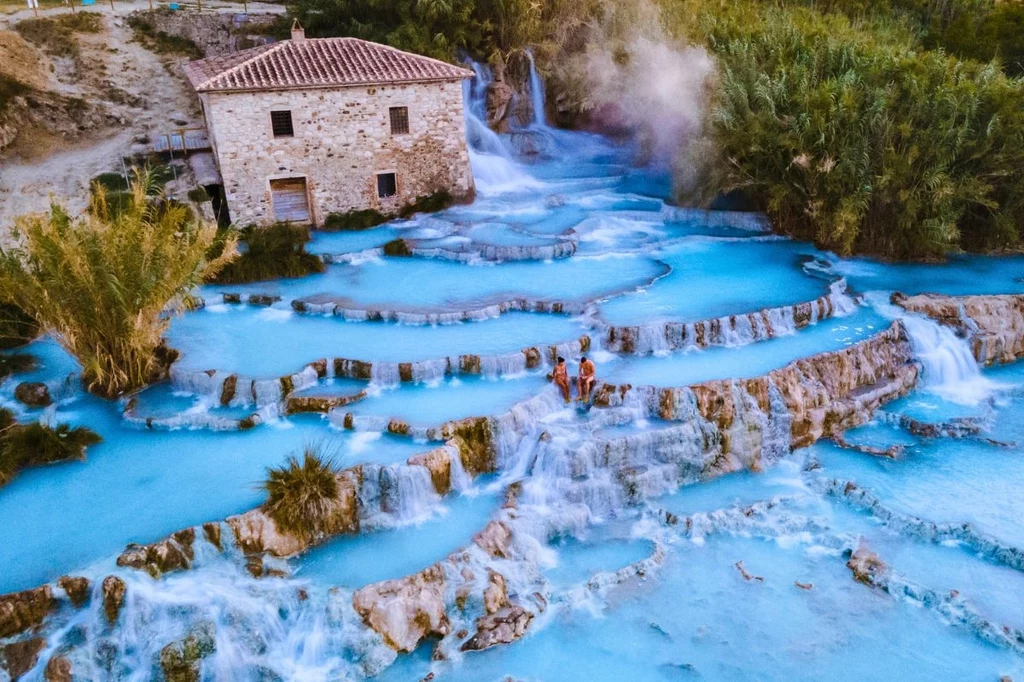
(22, 611)
(438, 462)
(866, 566)
(77, 589)
(994, 325)
(171, 554)
(502, 627)
(181, 661)
(33, 394)
(17, 658)
(114, 590)
(405, 610)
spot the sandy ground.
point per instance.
(160, 100)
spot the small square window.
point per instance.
(399, 120)
(281, 122)
(387, 185)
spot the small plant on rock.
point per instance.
(302, 497)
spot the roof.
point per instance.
(317, 63)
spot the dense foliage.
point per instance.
(852, 136)
(103, 284)
(35, 444)
(302, 497)
(270, 253)
(971, 29)
(443, 28)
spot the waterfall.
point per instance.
(536, 93)
(396, 494)
(494, 171)
(950, 370)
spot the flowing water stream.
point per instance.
(634, 565)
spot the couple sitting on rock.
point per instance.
(584, 382)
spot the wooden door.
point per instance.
(291, 201)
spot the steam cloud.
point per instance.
(652, 84)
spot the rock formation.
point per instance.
(994, 325)
(22, 611)
(502, 627)
(17, 658)
(33, 394)
(114, 589)
(406, 610)
(171, 554)
(181, 660)
(749, 422)
(76, 588)
(58, 669)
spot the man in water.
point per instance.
(561, 377)
(586, 379)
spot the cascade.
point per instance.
(494, 170)
(536, 93)
(950, 370)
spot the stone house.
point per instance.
(304, 128)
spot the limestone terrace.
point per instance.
(317, 63)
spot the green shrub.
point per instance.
(35, 444)
(57, 35)
(354, 220)
(270, 253)
(15, 363)
(111, 182)
(397, 247)
(302, 498)
(102, 283)
(198, 195)
(16, 327)
(9, 89)
(432, 203)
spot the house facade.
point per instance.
(305, 128)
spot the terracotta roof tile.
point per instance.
(316, 63)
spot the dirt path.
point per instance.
(146, 92)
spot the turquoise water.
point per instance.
(271, 342)
(420, 284)
(960, 275)
(638, 261)
(711, 278)
(355, 561)
(453, 398)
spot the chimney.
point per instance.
(298, 33)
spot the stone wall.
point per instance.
(214, 33)
(342, 139)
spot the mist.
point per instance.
(640, 78)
